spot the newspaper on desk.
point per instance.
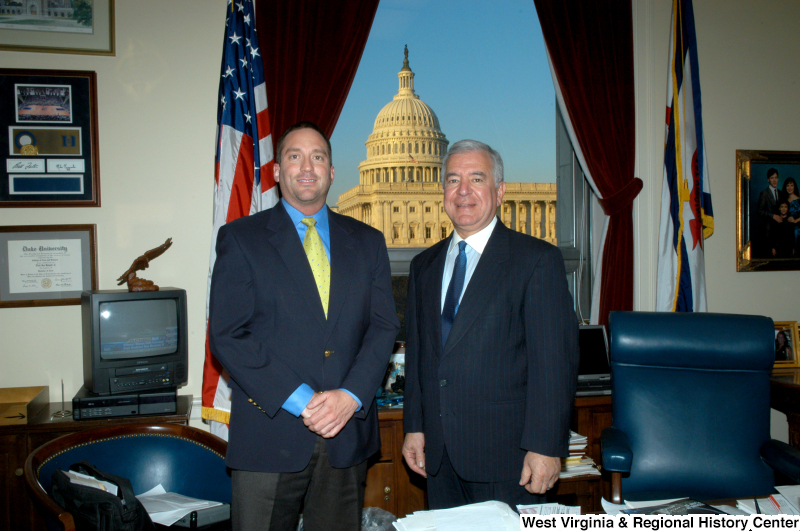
(166, 508)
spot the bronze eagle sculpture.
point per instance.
(140, 264)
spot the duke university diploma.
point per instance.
(41, 266)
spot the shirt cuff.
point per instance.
(298, 400)
(354, 398)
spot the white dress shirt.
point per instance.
(475, 246)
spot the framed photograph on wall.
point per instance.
(46, 265)
(786, 344)
(48, 138)
(58, 26)
(767, 210)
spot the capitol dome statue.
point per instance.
(400, 183)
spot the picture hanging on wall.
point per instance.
(767, 210)
(77, 27)
(48, 138)
(46, 265)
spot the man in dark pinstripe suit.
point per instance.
(491, 352)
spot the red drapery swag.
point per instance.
(311, 51)
(591, 48)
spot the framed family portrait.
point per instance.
(46, 265)
(786, 344)
(48, 138)
(58, 26)
(767, 210)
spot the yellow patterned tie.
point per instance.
(318, 259)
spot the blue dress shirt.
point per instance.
(298, 400)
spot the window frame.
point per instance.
(574, 204)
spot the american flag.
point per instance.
(243, 180)
(687, 217)
(412, 159)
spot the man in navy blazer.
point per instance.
(768, 202)
(491, 368)
(303, 413)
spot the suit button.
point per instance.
(328, 353)
(250, 400)
(443, 383)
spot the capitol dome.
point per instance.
(406, 109)
(406, 144)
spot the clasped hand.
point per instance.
(328, 412)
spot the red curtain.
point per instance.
(311, 51)
(591, 48)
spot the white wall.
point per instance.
(157, 109)
(157, 104)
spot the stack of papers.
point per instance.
(486, 516)
(166, 508)
(792, 495)
(577, 444)
(548, 508)
(578, 463)
(612, 508)
(785, 503)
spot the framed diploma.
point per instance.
(46, 265)
(48, 139)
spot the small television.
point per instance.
(134, 341)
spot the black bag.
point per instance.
(98, 510)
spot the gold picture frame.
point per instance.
(786, 345)
(762, 242)
(46, 29)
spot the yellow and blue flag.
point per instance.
(687, 217)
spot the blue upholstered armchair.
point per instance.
(691, 407)
(184, 460)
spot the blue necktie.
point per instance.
(454, 291)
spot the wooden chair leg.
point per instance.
(616, 487)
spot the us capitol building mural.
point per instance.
(400, 183)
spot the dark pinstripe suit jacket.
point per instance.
(505, 381)
(268, 329)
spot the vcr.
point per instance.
(87, 405)
(135, 379)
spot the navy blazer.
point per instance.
(504, 383)
(268, 330)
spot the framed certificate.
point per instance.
(46, 265)
(48, 139)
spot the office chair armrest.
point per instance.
(616, 450)
(782, 458)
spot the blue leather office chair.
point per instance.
(183, 459)
(690, 407)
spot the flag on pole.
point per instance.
(243, 180)
(687, 218)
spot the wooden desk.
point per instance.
(393, 487)
(785, 397)
(19, 440)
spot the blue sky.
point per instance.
(481, 66)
